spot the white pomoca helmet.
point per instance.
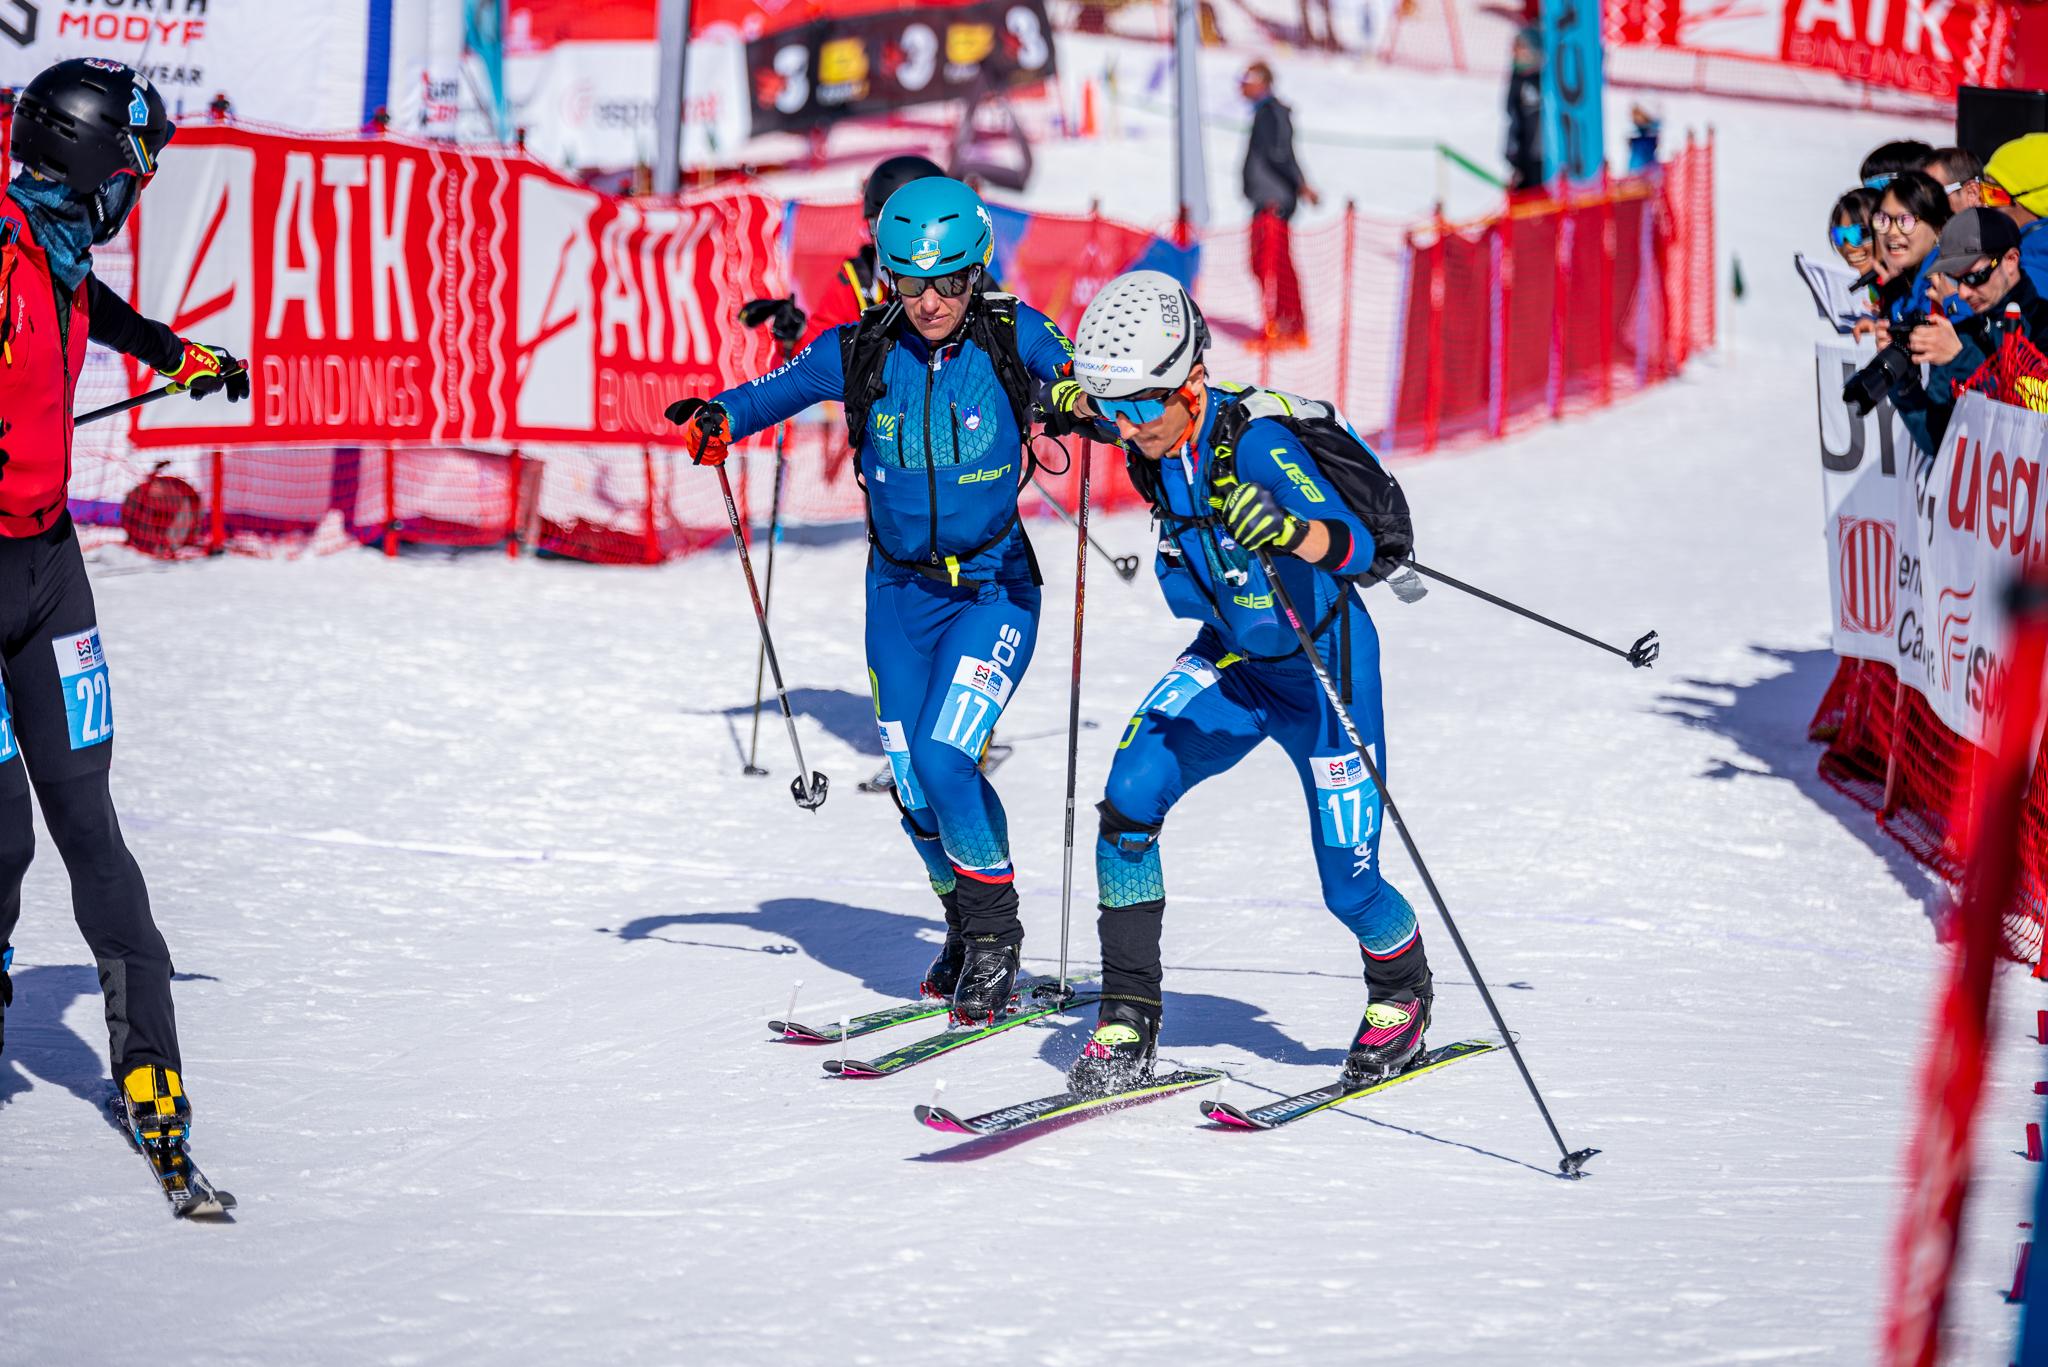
(1141, 333)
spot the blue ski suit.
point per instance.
(1242, 680)
(949, 633)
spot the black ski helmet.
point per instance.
(890, 176)
(85, 122)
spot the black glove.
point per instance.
(1258, 522)
(1058, 409)
(784, 319)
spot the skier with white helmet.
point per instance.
(1231, 472)
(939, 384)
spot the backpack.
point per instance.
(991, 325)
(1368, 491)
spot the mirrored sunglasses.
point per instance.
(949, 286)
(1850, 234)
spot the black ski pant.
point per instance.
(56, 715)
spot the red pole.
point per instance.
(1707, 221)
(1433, 374)
(515, 470)
(1560, 277)
(1607, 247)
(1502, 246)
(1344, 315)
(1683, 251)
(650, 539)
(390, 500)
(217, 529)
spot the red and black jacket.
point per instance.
(42, 349)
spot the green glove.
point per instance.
(1058, 410)
(1257, 522)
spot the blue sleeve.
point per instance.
(1270, 455)
(813, 375)
(1045, 350)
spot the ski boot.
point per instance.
(944, 974)
(1390, 1036)
(988, 979)
(6, 990)
(1119, 1054)
(153, 1098)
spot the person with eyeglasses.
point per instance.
(1980, 251)
(1887, 161)
(1957, 170)
(1907, 221)
(1230, 472)
(2015, 182)
(939, 385)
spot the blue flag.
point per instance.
(1574, 74)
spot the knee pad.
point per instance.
(1127, 869)
(1125, 835)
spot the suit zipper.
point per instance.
(931, 472)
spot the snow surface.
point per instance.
(480, 926)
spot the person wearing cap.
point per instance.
(2015, 181)
(1980, 251)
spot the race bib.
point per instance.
(897, 747)
(1347, 803)
(1181, 685)
(88, 704)
(973, 704)
(8, 749)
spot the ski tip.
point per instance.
(846, 1067)
(1228, 1116)
(940, 1119)
(789, 1032)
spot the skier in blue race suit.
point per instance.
(938, 386)
(1243, 679)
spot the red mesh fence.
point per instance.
(1557, 304)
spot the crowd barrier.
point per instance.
(1920, 548)
(1422, 334)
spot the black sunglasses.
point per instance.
(1978, 278)
(949, 286)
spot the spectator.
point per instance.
(1908, 220)
(1980, 251)
(1525, 114)
(1274, 182)
(1849, 230)
(1642, 140)
(1957, 169)
(1891, 159)
(2015, 181)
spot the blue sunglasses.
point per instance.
(1138, 411)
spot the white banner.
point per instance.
(592, 104)
(1920, 548)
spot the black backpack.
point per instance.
(1371, 494)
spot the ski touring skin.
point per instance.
(191, 1195)
(1286, 1111)
(902, 1013)
(1064, 1104)
(931, 1046)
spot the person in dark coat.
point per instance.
(1980, 251)
(1525, 114)
(1275, 185)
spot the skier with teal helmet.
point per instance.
(938, 385)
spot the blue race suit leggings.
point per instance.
(1208, 712)
(943, 662)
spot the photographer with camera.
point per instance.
(1980, 251)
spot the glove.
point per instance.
(1257, 522)
(707, 433)
(1058, 409)
(202, 369)
(784, 319)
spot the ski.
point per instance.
(1064, 1104)
(866, 1024)
(1290, 1109)
(931, 1046)
(191, 1195)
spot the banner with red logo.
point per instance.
(1929, 47)
(384, 290)
(1921, 547)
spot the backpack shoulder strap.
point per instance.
(992, 323)
(863, 351)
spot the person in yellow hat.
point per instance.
(2015, 181)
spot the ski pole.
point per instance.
(1126, 566)
(1573, 1161)
(1640, 655)
(767, 597)
(160, 392)
(1081, 544)
(813, 796)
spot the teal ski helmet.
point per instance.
(934, 227)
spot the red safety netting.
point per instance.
(1888, 751)
(1556, 305)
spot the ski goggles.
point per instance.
(1138, 410)
(949, 286)
(1880, 180)
(1850, 235)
